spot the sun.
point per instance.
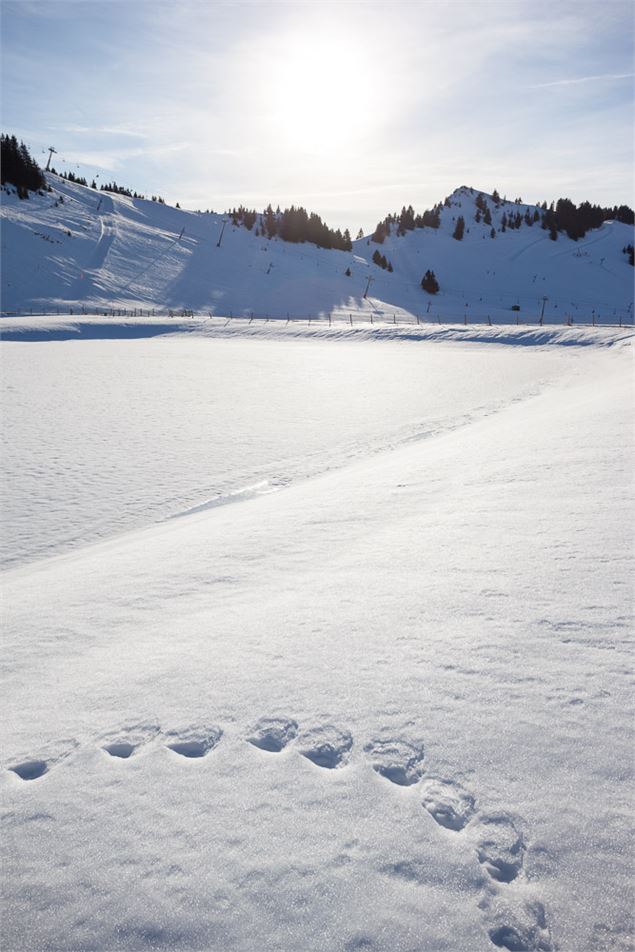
(314, 100)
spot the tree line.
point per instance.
(18, 168)
(294, 224)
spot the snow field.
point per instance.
(385, 708)
(103, 436)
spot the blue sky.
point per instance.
(350, 108)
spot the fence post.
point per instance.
(350, 317)
(417, 318)
(394, 318)
(371, 318)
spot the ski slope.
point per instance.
(99, 250)
(386, 707)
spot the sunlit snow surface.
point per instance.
(104, 436)
(386, 707)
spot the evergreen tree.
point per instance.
(429, 282)
(459, 229)
(19, 168)
(381, 233)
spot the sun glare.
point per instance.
(318, 95)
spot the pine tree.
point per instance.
(459, 229)
(429, 282)
(19, 168)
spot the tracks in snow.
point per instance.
(514, 918)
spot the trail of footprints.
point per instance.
(513, 923)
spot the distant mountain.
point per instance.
(75, 247)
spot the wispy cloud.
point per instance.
(577, 80)
(101, 131)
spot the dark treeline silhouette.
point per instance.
(406, 220)
(294, 225)
(19, 168)
(576, 221)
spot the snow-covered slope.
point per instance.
(100, 250)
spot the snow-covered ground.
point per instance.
(100, 250)
(101, 436)
(385, 707)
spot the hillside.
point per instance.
(78, 248)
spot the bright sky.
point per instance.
(349, 108)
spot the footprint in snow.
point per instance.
(500, 847)
(32, 768)
(325, 746)
(521, 929)
(396, 760)
(447, 803)
(273, 733)
(193, 741)
(126, 741)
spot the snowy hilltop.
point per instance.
(74, 247)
